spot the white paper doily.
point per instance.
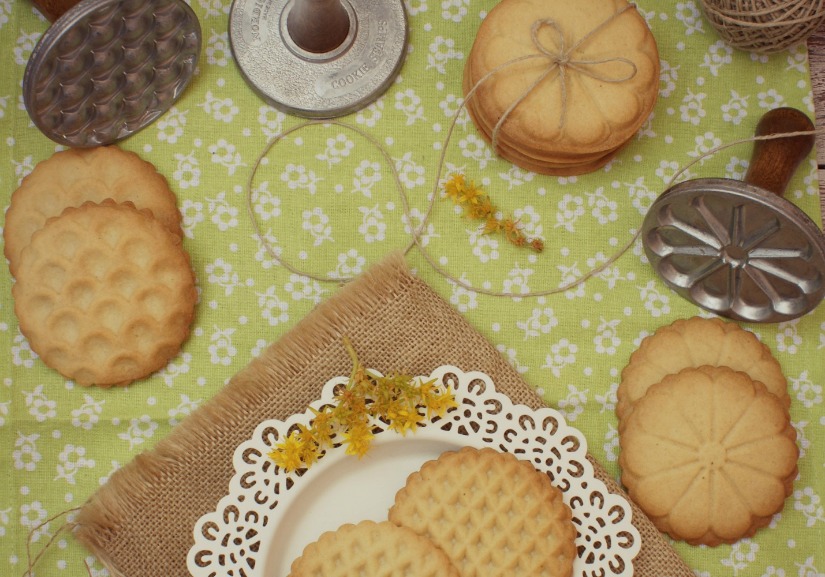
(268, 515)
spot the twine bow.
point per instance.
(559, 58)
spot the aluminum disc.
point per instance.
(322, 85)
(107, 68)
(736, 250)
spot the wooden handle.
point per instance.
(318, 25)
(774, 162)
(53, 9)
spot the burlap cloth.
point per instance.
(140, 522)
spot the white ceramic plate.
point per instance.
(347, 489)
(268, 516)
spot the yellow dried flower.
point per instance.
(399, 400)
(289, 452)
(358, 439)
(478, 206)
(323, 426)
(440, 404)
(454, 187)
(404, 419)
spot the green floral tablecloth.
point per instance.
(328, 202)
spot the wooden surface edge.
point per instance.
(816, 56)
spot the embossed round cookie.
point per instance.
(695, 342)
(491, 513)
(571, 80)
(709, 454)
(512, 152)
(370, 548)
(72, 177)
(105, 294)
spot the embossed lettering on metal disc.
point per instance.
(319, 85)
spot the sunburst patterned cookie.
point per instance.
(370, 548)
(491, 513)
(709, 454)
(696, 342)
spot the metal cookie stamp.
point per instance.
(107, 68)
(318, 58)
(737, 248)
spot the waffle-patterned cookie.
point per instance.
(709, 454)
(105, 294)
(370, 548)
(491, 513)
(72, 177)
(695, 342)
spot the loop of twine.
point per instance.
(561, 59)
(764, 25)
(417, 233)
(250, 208)
(67, 526)
(71, 525)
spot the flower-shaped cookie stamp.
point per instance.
(739, 249)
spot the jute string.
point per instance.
(764, 25)
(416, 233)
(31, 561)
(70, 525)
(560, 59)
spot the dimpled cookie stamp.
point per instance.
(105, 69)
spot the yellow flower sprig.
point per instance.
(478, 206)
(399, 400)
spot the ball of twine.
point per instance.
(764, 26)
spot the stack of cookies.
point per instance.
(471, 512)
(104, 290)
(559, 87)
(707, 446)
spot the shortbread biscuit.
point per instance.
(491, 513)
(505, 146)
(486, 126)
(72, 177)
(709, 454)
(370, 548)
(105, 294)
(572, 78)
(695, 342)
(547, 167)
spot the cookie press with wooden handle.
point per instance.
(738, 248)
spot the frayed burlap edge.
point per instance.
(140, 522)
(124, 492)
